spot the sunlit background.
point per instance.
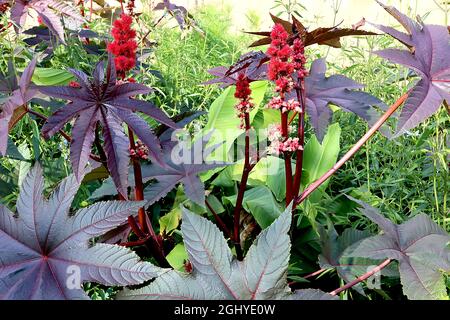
(326, 11)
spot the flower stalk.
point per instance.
(243, 108)
(362, 278)
(315, 185)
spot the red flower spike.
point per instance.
(285, 60)
(124, 45)
(74, 84)
(243, 93)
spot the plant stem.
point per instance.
(240, 198)
(447, 107)
(135, 243)
(132, 222)
(91, 9)
(316, 273)
(311, 188)
(287, 159)
(145, 224)
(301, 137)
(41, 116)
(138, 185)
(220, 222)
(365, 276)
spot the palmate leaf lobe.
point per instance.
(102, 100)
(428, 55)
(15, 105)
(218, 275)
(47, 10)
(46, 251)
(419, 245)
(322, 36)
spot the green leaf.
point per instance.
(215, 204)
(225, 123)
(24, 166)
(98, 173)
(177, 257)
(261, 203)
(170, 221)
(51, 77)
(276, 178)
(225, 178)
(36, 141)
(319, 158)
(12, 152)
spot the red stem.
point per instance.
(311, 188)
(132, 222)
(240, 198)
(287, 159)
(365, 276)
(138, 186)
(145, 224)
(447, 107)
(91, 10)
(301, 136)
(220, 222)
(136, 243)
(316, 273)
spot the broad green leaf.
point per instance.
(51, 77)
(177, 257)
(225, 178)
(215, 204)
(225, 123)
(261, 203)
(266, 117)
(170, 221)
(319, 158)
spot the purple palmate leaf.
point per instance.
(180, 13)
(321, 91)
(41, 35)
(183, 166)
(217, 275)
(104, 101)
(420, 247)
(46, 251)
(8, 81)
(15, 105)
(47, 11)
(333, 247)
(429, 57)
(252, 64)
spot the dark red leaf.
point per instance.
(111, 104)
(324, 36)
